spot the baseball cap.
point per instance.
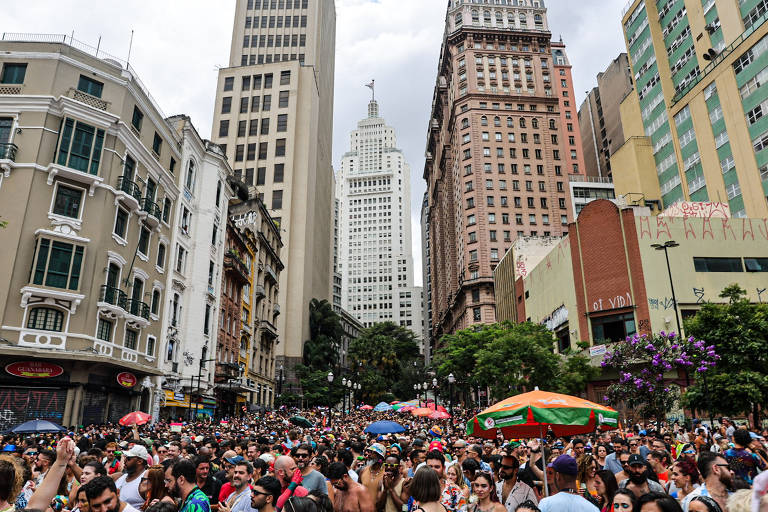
(377, 448)
(435, 445)
(565, 464)
(9, 448)
(137, 451)
(635, 459)
(436, 431)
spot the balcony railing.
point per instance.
(151, 208)
(270, 273)
(259, 292)
(88, 99)
(129, 187)
(8, 151)
(113, 296)
(137, 308)
(232, 261)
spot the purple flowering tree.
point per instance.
(642, 362)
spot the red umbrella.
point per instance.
(407, 408)
(135, 418)
(439, 415)
(366, 408)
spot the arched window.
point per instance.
(487, 16)
(523, 20)
(475, 16)
(499, 19)
(465, 122)
(161, 255)
(155, 301)
(537, 19)
(45, 319)
(522, 122)
(190, 181)
(175, 310)
(496, 121)
(484, 121)
(551, 124)
(457, 19)
(535, 123)
(509, 123)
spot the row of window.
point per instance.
(251, 128)
(257, 81)
(712, 264)
(256, 103)
(277, 41)
(277, 4)
(278, 175)
(531, 202)
(263, 150)
(250, 60)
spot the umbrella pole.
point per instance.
(543, 463)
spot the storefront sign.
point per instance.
(34, 369)
(175, 427)
(597, 350)
(127, 379)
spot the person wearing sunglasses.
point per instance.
(265, 493)
(718, 480)
(685, 476)
(391, 497)
(510, 491)
(623, 501)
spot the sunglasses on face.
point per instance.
(391, 466)
(302, 455)
(505, 466)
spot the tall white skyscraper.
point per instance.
(375, 260)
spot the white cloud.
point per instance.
(178, 44)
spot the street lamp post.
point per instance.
(344, 395)
(330, 389)
(451, 380)
(425, 387)
(347, 393)
(670, 244)
(417, 390)
(434, 390)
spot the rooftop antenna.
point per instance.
(130, 47)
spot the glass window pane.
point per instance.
(58, 266)
(42, 258)
(82, 142)
(67, 201)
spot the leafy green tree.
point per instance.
(321, 354)
(383, 353)
(739, 331)
(575, 372)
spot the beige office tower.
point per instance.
(274, 118)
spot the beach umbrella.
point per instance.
(301, 421)
(135, 418)
(407, 408)
(37, 426)
(439, 415)
(382, 406)
(384, 427)
(365, 407)
(422, 411)
(532, 414)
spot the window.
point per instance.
(261, 175)
(226, 105)
(80, 146)
(613, 327)
(121, 222)
(181, 255)
(138, 118)
(255, 108)
(280, 147)
(58, 264)
(151, 346)
(246, 85)
(67, 201)
(244, 105)
(207, 320)
(90, 86)
(166, 210)
(265, 126)
(268, 81)
(13, 73)
(282, 122)
(155, 306)
(215, 230)
(144, 241)
(279, 171)
(285, 78)
(756, 264)
(705, 264)
(45, 319)
(157, 144)
(282, 101)
(104, 330)
(229, 83)
(476, 316)
(131, 338)
(473, 255)
(277, 199)
(266, 104)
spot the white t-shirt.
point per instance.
(129, 508)
(566, 502)
(129, 491)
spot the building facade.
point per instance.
(427, 341)
(197, 251)
(696, 120)
(503, 138)
(585, 189)
(604, 281)
(375, 254)
(600, 117)
(273, 117)
(88, 188)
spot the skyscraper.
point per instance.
(696, 123)
(273, 117)
(503, 138)
(376, 261)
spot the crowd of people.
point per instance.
(265, 463)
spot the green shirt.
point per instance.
(196, 501)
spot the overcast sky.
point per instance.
(179, 44)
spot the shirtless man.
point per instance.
(349, 496)
(372, 475)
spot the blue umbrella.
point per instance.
(384, 427)
(33, 426)
(382, 406)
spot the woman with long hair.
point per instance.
(600, 454)
(453, 474)
(658, 502)
(585, 479)
(152, 487)
(485, 490)
(426, 489)
(606, 487)
(624, 501)
(685, 476)
(11, 481)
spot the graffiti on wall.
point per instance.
(619, 301)
(659, 228)
(18, 405)
(699, 293)
(760, 292)
(698, 209)
(661, 303)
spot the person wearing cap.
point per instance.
(372, 475)
(229, 464)
(567, 498)
(638, 481)
(134, 465)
